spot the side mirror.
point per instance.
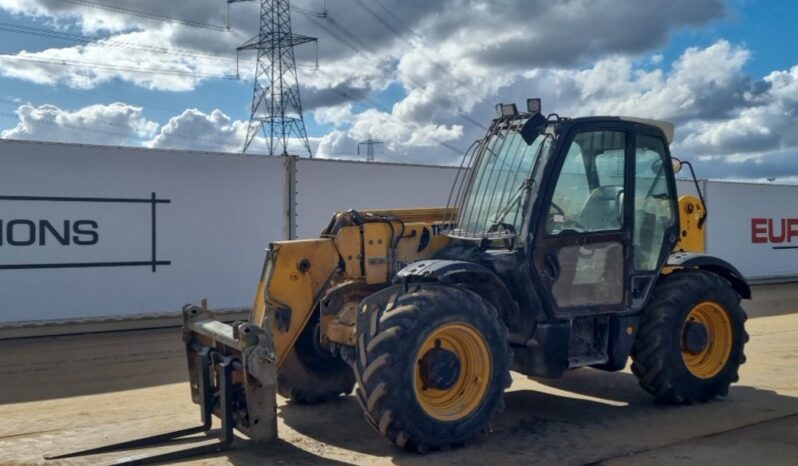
(677, 165)
(534, 127)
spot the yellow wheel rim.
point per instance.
(708, 362)
(467, 391)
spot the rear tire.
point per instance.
(310, 375)
(432, 367)
(677, 364)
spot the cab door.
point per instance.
(655, 213)
(584, 236)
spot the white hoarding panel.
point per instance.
(755, 227)
(98, 231)
(328, 186)
(687, 187)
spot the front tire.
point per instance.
(691, 340)
(310, 375)
(432, 367)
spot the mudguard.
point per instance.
(712, 264)
(472, 276)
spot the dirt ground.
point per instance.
(63, 393)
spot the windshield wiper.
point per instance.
(525, 186)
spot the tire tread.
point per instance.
(653, 351)
(404, 317)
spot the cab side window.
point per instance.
(590, 188)
(654, 203)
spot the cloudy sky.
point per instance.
(423, 76)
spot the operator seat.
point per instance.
(603, 209)
(598, 268)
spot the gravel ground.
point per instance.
(64, 393)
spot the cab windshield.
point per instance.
(498, 185)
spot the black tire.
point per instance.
(657, 354)
(389, 342)
(310, 375)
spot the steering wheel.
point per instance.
(557, 208)
(502, 226)
(565, 224)
(498, 227)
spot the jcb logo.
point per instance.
(768, 230)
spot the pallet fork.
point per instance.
(233, 375)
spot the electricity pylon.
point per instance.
(370, 145)
(276, 105)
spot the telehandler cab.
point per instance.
(564, 245)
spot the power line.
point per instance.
(103, 66)
(396, 18)
(370, 51)
(136, 102)
(323, 15)
(378, 18)
(146, 14)
(309, 12)
(348, 33)
(382, 108)
(335, 35)
(55, 34)
(398, 34)
(315, 16)
(321, 18)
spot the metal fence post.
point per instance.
(289, 197)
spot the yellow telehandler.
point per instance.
(564, 245)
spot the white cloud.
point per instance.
(336, 143)
(723, 116)
(362, 43)
(702, 83)
(136, 57)
(429, 72)
(401, 137)
(122, 124)
(214, 132)
(115, 124)
(769, 124)
(337, 116)
(720, 110)
(194, 129)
